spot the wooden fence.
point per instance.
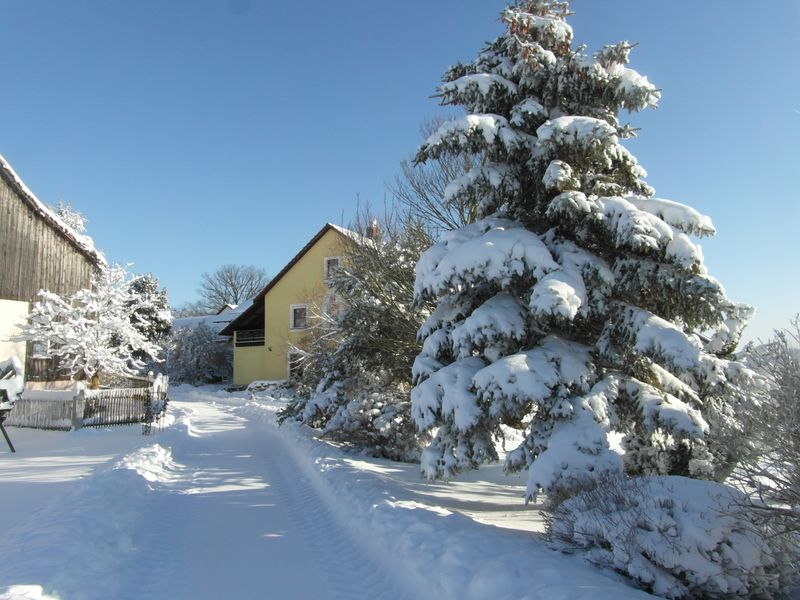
(53, 410)
(92, 408)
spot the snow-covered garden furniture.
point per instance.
(11, 384)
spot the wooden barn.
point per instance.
(37, 251)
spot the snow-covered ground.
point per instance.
(222, 503)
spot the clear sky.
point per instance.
(194, 133)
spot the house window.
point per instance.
(295, 364)
(331, 264)
(298, 317)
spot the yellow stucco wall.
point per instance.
(12, 313)
(304, 283)
(249, 364)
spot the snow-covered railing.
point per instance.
(249, 337)
(66, 410)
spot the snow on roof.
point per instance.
(357, 237)
(83, 243)
(237, 309)
(215, 322)
(226, 309)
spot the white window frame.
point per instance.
(326, 269)
(291, 317)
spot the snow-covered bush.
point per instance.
(769, 474)
(74, 219)
(367, 412)
(96, 329)
(674, 536)
(577, 300)
(198, 356)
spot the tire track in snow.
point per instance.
(154, 561)
(353, 574)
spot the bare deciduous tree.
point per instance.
(231, 284)
(189, 309)
(420, 189)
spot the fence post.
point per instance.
(78, 403)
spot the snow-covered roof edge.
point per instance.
(351, 235)
(82, 243)
(356, 237)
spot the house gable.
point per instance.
(300, 283)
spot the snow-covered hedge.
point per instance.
(674, 536)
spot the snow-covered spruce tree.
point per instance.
(355, 384)
(577, 303)
(152, 316)
(92, 330)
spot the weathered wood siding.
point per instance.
(33, 254)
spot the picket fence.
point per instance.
(59, 410)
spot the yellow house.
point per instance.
(266, 336)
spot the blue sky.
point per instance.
(194, 133)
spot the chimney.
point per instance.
(373, 230)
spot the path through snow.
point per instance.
(224, 504)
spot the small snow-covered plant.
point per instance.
(676, 537)
(198, 356)
(93, 329)
(577, 300)
(74, 219)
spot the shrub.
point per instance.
(675, 537)
(197, 356)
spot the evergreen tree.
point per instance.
(576, 304)
(152, 316)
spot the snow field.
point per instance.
(224, 503)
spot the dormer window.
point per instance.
(331, 264)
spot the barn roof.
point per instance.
(81, 243)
